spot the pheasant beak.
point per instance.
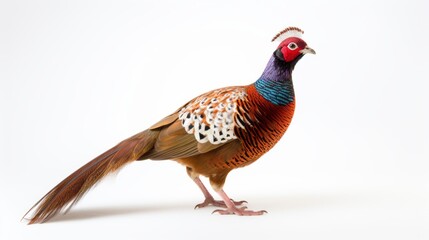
(307, 49)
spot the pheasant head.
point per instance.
(291, 47)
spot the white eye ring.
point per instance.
(292, 46)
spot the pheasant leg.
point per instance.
(210, 201)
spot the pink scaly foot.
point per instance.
(239, 211)
(217, 203)
(209, 200)
(232, 208)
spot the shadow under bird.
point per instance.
(210, 135)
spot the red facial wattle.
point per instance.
(289, 54)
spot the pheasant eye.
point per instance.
(292, 46)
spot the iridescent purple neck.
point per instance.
(276, 70)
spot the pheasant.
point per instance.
(210, 135)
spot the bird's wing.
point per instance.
(202, 125)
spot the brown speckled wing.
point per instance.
(202, 125)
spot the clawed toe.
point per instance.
(210, 202)
(218, 203)
(239, 203)
(239, 211)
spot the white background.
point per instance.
(76, 77)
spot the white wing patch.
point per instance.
(211, 117)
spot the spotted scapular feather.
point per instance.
(213, 117)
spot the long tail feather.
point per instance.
(71, 189)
